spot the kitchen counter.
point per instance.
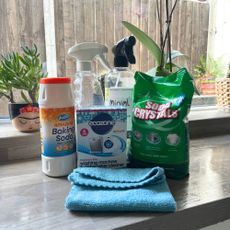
(31, 200)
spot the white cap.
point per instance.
(58, 166)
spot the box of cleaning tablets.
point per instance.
(101, 137)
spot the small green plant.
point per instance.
(6, 89)
(22, 72)
(209, 68)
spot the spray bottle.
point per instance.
(120, 81)
(87, 88)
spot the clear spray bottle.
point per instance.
(120, 81)
(87, 88)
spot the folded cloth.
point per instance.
(129, 189)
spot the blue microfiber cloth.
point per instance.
(128, 189)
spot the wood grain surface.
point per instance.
(31, 200)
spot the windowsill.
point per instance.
(202, 198)
(203, 122)
(8, 131)
(208, 121)
(207, 113)
(15, 145)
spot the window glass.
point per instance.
(199, 29)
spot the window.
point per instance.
(199, 29)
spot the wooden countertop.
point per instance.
(31, 200)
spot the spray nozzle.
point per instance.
(123, 52)
(85, 52)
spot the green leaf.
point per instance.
(35, 48)
(20, 83)
(167, 66)
(24, 61)
(156, 71)
(152, 72)
(24, 97)
(175, 54)
(162, 72)
(194, 85)
(153, 48)
(3, 87)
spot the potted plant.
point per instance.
(206, 72)
(163, 53)
(22, 72)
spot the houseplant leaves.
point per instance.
(153, 48)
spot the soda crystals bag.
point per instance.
(160, 132)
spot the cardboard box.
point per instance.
(102, 137)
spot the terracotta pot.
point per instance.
(25, 117)
(206, 86)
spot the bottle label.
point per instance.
(57, 131)
(121, 97)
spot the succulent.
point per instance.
(21, 72)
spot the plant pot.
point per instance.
(24, 116)
(206, 86)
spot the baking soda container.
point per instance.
(58, 142)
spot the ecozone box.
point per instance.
(101, 137)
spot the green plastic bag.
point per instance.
(159, 127)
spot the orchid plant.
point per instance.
(163, 55)
(163, 59)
